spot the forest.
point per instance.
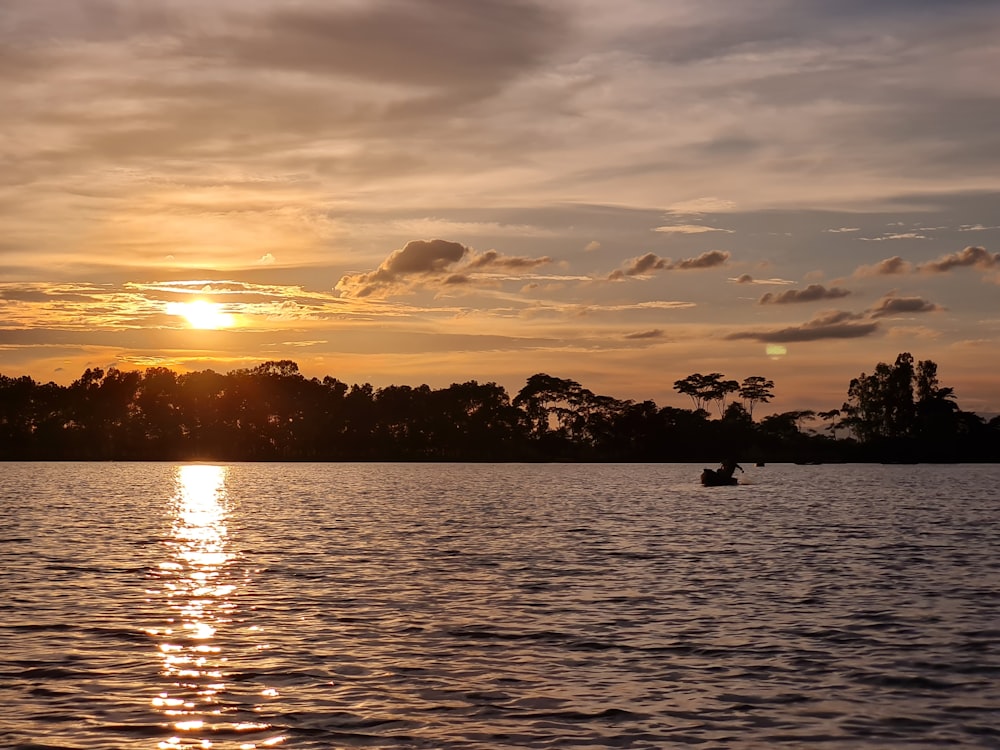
(271, 412)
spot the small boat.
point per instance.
(712, 478)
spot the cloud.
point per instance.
(891, 305)
(650, 262)
(690, 229)
(416, 258)
(841, 230)
(887, 267)
(430, 262)
(830, 325)
(975, 228)
(592, 246)
(44, 292)
(701, 206)
(493, 259)
(839, 324)
(267, 259)
(655, 333)
(748, 279)
(641, 265)
(895, 236)
(437, 227)
(811, 293)
(971, 256)
(418, 43)
(710, 259)
(72, 306)
(648, 305)
(580, 310)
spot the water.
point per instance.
(498, 606)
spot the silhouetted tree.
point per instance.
(272, 412)
(902, 412)
(477, 421)
(549, 403)
(880, 405)
(17, 416)
(205, 425)
(638, 433)
(756, 389)
(703, 389)
(693, 386)
(832, 422)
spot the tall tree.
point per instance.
(882, 406)
(756, 389)
(703, 389)
(550, 403)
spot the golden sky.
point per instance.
(433, 191)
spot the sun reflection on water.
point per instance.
(198, 585)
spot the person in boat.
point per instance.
(721, 476)
(727, 469)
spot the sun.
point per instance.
(201, 314)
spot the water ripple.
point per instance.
(478, 606)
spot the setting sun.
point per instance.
(201, 314)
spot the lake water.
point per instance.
(498, 606)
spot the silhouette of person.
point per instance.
(727, 468)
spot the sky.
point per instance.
(621, 193)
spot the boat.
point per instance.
(712, 478)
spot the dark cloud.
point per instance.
(971, 256)
(862, 45)
(56, 23)
(423, 43)
(493, 259)
(892, 305)
(743, 279)
(423, 256)
(418, 257)
(655, 333)
(235, 80)
(710, 259)
(641, 265)
(652, 262)
(428, 262)
(832, 325)
(760, 28)
(435, 43)
(887, 267)
(811, 293)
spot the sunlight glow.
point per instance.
(202, 314)
(194, 586)
(197, 584)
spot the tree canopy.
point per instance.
(902, 410)
(272, 412)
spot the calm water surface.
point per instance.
(498, 606)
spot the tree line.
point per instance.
(271, 412)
